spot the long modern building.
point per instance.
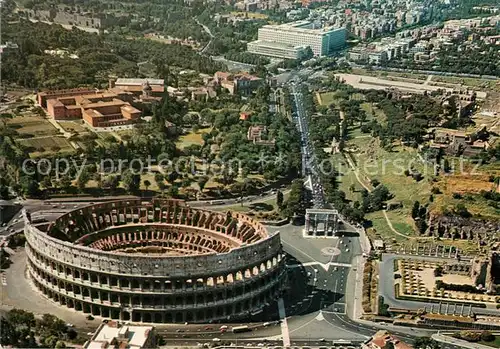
(290, 40)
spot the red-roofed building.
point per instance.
(98, 109)
(240, 83)
(382, 338)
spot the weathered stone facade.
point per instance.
(156, 261)
(455, 227)
(87, 20)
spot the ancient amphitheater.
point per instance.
(157, 261)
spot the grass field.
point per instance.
(373, 112)
(471, 82)
(73, 126)
(326, 98)
(374, 162)
(468, 183)
(47, 145)
(192, 138)
(32, 125)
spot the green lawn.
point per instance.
(493, 344)
(373, 112)
(32, 125)
(374, 162)
(327, 98)
(192, 138)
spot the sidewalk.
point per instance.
(458, 342)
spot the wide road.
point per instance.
(328, 262)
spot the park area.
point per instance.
(192, 138)
(41, 146)
(31, 126)
(374, 163)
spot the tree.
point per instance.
(65, 183)
(131, 181)
(462, 211)
(296, 203)
(147, 184)
(415, 210)
(159, 179)
(83, 179)
(202, 181)
(279, 199)
(426, 343)
(111, 182)
(487, 336)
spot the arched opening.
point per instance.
(146, 317)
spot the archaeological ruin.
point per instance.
(157, 261)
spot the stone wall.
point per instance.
(455, 227)
(67, 18)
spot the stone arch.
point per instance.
(146, 317)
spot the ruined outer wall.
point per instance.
(153, 287)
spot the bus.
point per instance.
(239, 329)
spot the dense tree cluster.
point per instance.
(247, 57)
(21, 329)
(297, 201)
(407, 119)
(99, 56)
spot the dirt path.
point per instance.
(389, 223)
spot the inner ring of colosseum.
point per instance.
(160, 239)
(156, 261)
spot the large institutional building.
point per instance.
(113, 107)
(156, 261)
(290, 40)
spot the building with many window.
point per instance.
(289, 40)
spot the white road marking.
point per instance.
(325, 266)
(284, 325)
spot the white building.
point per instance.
(286, 40)
(275, 49)
(115, 336)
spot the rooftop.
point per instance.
(299, 26)
(135, 336)
(273, 44)
(139, 82)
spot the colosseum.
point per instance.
(157, 261)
